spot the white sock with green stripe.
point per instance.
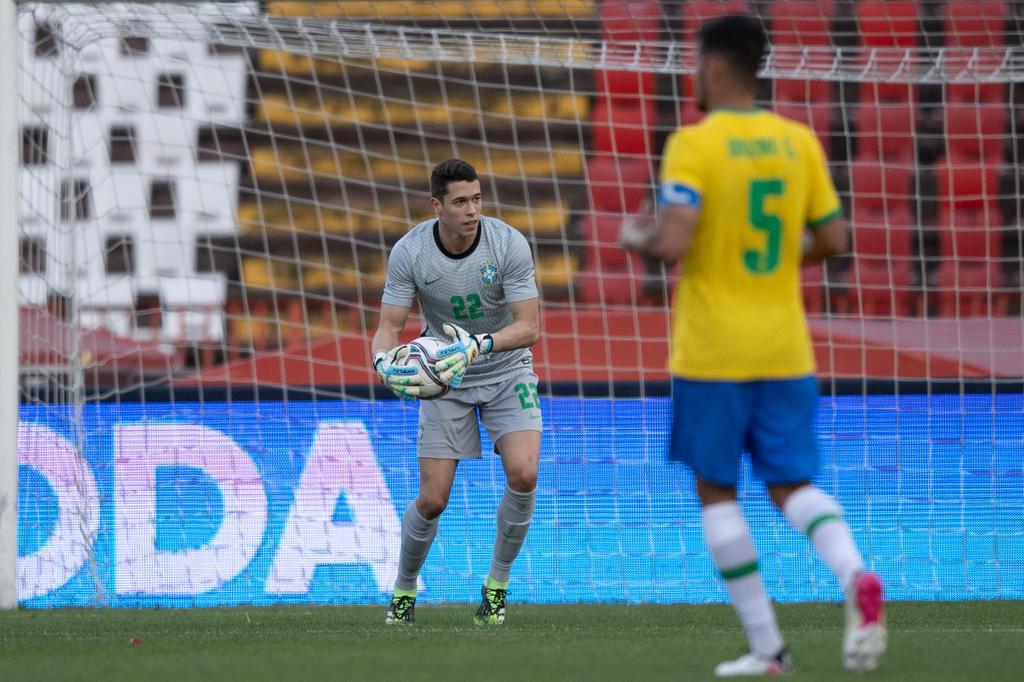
(736, 560)
(820, 518)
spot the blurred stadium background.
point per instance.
(208, 196)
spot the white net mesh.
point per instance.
(209, 194)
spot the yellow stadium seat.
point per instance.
(267, 273)
(556, 269)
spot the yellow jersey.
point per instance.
(759, 180)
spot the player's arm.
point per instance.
(666, 238)
(825, 241)
(827, 235)
(403, 381)
(523, 331)
(389, 327)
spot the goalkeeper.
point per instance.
(745, 198)
(474, 279)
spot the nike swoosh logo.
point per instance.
(427, 284)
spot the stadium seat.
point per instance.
(887, 24)
(968, 185)
(631, 20)
(969, 277)
(880, 280)
(975, 23)
(975, 131)
(619, 185)
(876, 187)
(624, 86)
(696, 12)
(971, 24)
(970, 225)
(812, 287)
(886, 131)
(883, 228)
(803, 24)
(610, 274)
(622, 128)
(816, 115)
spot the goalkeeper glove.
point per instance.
(453, 360)
(403, 381)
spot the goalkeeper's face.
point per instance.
(459, 209)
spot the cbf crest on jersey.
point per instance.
(488, 273)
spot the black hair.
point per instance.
(452, 170)
(740, 38)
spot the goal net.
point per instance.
(207, 198)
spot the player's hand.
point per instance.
(636, 228)
(453, 360)
(403, 381)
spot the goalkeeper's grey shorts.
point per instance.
(448, 425)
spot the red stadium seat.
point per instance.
(879, 188)
(817, 116)
(610, 275)
(888, 23)
(969, 278)
(968, 186)
(880, 282)
(971, 231)
(886, 131)
(975, 131)
(803, 24)
(631, 20)
(975, 23)
(802, 90)
(971, 24)
(625, 86)
(622, 128)
(883, 228)
(812, 287)
(619, 185)
(696, 12)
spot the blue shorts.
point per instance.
(714, 421)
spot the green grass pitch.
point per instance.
(928, 641)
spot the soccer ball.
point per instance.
(423, 355)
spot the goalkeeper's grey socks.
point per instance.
(733, 552)
(819, 517)
(417, 536)
(514, 514)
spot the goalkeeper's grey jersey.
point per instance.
(471, 289)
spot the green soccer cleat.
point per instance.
(402, 610)
(492, 606)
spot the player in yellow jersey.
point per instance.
(745, 199)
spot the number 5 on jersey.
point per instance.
(766, 260)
